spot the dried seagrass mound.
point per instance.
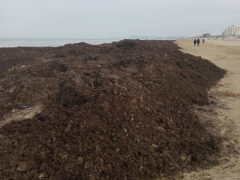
(113, 111)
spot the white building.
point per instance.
(231, 31)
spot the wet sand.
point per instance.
(225, 115)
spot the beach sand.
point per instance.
(226, 113)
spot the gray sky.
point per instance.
(115, 18)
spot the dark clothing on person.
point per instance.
(203, 41)
(198, 42)
(195, 42)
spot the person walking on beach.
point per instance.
(198, 42)
(203, 40)
(195, 42)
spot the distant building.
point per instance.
(231, 31)
(206, 35)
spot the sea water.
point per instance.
(48, 42)
(54, 42)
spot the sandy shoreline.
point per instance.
(226, 55)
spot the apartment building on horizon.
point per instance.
(231, 31)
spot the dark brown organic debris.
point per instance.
(112, 111)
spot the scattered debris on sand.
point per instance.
(19, 114)
(113, 111)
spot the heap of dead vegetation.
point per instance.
(113, 111)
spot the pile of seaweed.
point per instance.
(112, 111)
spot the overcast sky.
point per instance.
(115, 18)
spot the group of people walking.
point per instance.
(197, 42)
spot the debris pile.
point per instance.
(112, 111)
